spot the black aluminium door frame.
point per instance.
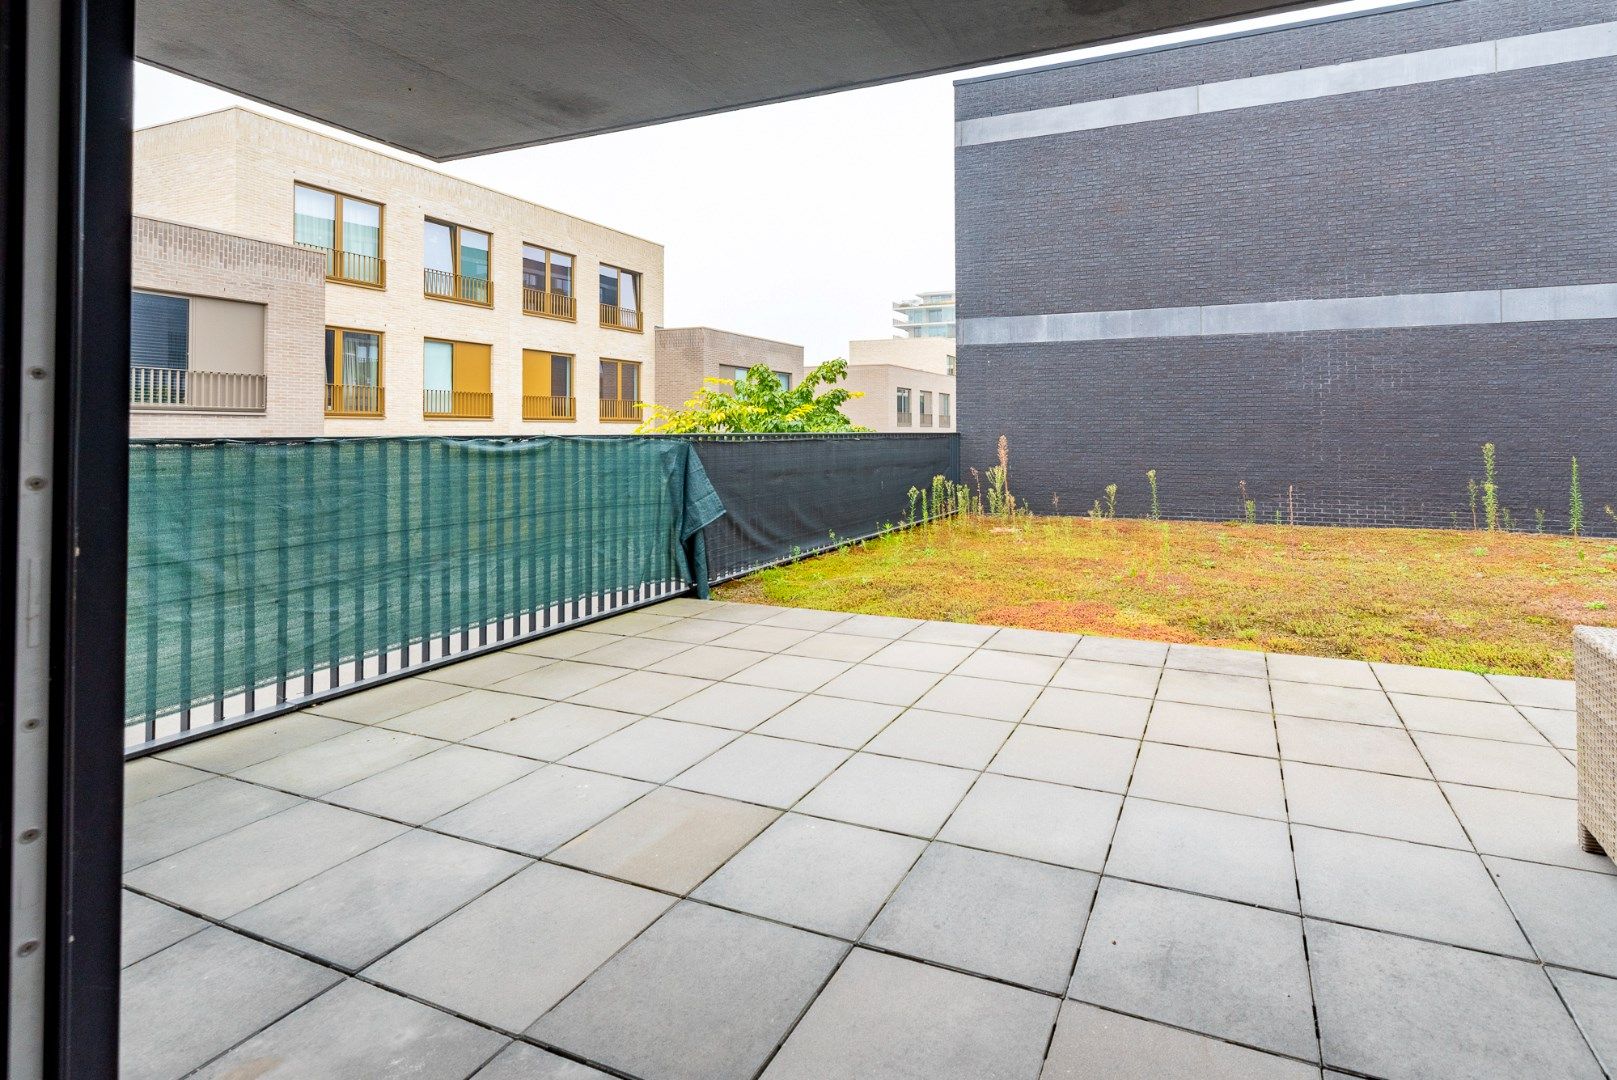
(66, 92)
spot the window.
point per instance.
(347, 229)
(926, 408)
(943, 410)
(620, 298)
(948, 364)
(547, 283)
(620, 390)
(170, 336)
(903, 405)
(730, 371)
(159, 331)
(547, 386)
(456, 263)
(353, 372)
(455, 380)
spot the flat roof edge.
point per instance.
(1212, 37)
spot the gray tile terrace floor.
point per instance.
(711, 841)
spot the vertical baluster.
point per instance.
(310, 520)
(334, 481)
(384, 556)
(463, 545)
(218, 457)
(360, 498)
(590, 492)
(249, 539)
(445, 520)
(485, 532)
(566, 522)
(407, 627)
(544, 493)
(282, 567)
(188, 502)
(151, 612)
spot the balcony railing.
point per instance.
(354, 400)
(551, 305)
(906, 419)
(375, 557)
(541, 407)
(444, 285)
(621, 318)
(926, 419)
(352, 268)
(457, 404)
(621, 409)
(944, 419)
(156, 389)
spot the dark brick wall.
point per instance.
(1433, 26)
(1366, 427)
(1500, 181)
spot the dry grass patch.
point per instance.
(1490, 602)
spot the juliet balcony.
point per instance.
(159, 389)
(444, 285)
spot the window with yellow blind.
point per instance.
(620, 390)
(456, 380)
(547, 386)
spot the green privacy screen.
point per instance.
(273, 570)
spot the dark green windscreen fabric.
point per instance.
(255, 562)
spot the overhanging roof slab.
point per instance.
(455, 78)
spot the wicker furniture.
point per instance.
(1595, 660)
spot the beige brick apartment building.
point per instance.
(908, 383)
(686, 355)
(449, 308)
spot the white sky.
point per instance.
(801, 221)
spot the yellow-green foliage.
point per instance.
(757, 403)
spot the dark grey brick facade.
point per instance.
(1497, 181)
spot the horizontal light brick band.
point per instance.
(1480, 307)
(1407, 69)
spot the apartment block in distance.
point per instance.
(908, 383)
(686, 355)
(449, 308)
(926, 315)
(1330, 262)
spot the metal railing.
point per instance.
(457, 404)
(468, 290)
(926, 419)
(153, 389)
(352, 268)
(787, 497)
(620, 318)
(541, 407)
(551, 305)
(265, 574)
(945, 419)
(345, 400)
(621, 409)
(906, 419)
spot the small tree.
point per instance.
(758, 403)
